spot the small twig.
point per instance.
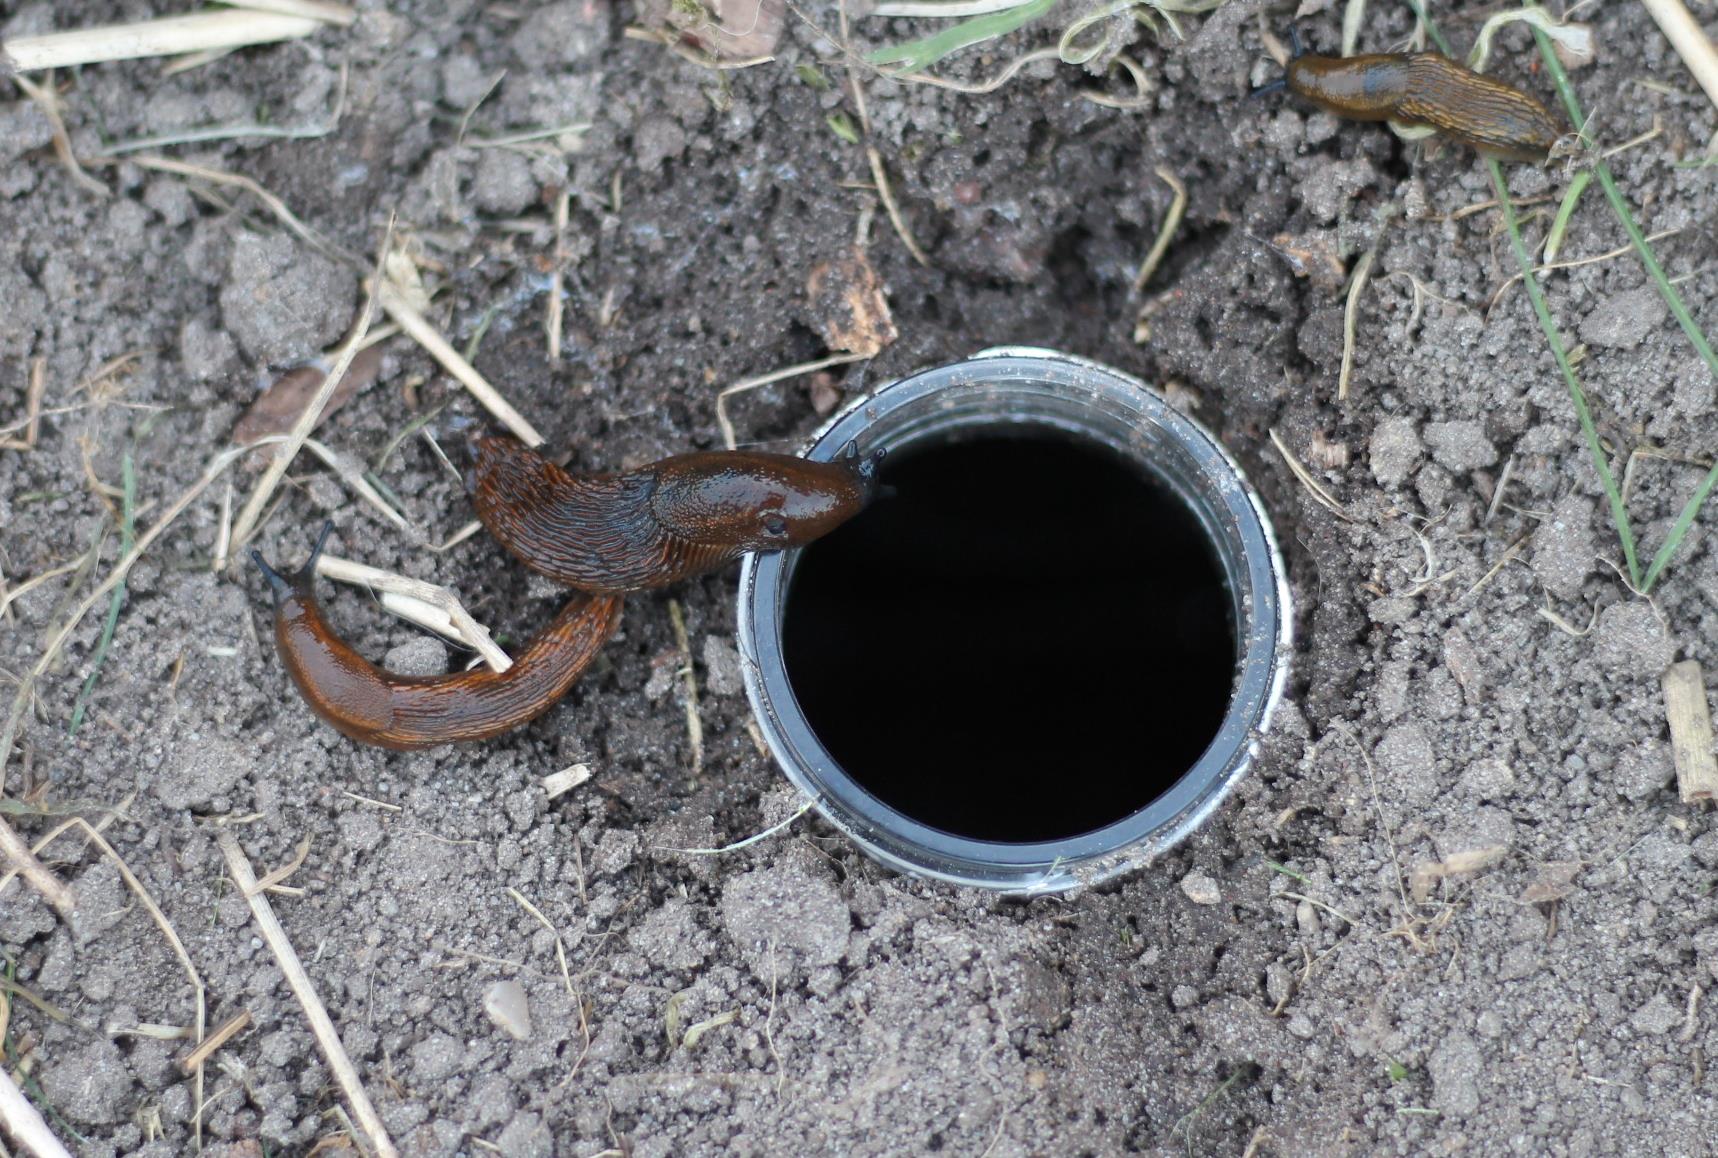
(773, 376)
(562, 782)
(557, 276)
(1166, 231)
(299, 982)
(32, 408)
(455, 621)
(1690, 732)
(55, 891)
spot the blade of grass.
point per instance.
(1565, 211)
(1619, 513)
(1668, 291)
(127, 536)
(917, 55)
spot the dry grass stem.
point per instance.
(299, 982)
(270, 881)
(1323, 496)
(57, 639)
(1690, 732)
(457, 537)
(557, 276)
(727, 425)
(1503, 561)
(49, 102)
(419, 330)
(881, 176)
(11, 595)
(979, 88)
(1573, 263)
(453, 620)
(32, 421)
(352, 474)
(252, 510)
(225, 1032)
(694, 724)
(172, 36)
(739, 844)
(1165, 232)
(24, 1123)
(18, 855)
(275, 205)
(1351, 320)
(1690, 42)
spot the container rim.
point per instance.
(1264, 630)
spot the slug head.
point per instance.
(284, 587)
(750, 501)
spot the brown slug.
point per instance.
(404, 712)
(663, 522)
(1429, 90)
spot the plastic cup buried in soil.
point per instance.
(1049, 648)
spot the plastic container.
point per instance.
(1024, 391)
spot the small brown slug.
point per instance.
(405, 712)
(663, 522)
(1427, 89)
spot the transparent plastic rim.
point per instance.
(1015, 388)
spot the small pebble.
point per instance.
(1201, 889)
(508, 1008)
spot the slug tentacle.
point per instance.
(663, 522)
(405, 712)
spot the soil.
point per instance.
(1474, 680)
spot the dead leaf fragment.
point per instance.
(276, 409)
(848, 306)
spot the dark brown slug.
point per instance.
(663, 522)
(405, 712)
(1429, 90)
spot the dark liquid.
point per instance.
(1028, 641)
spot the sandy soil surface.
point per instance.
(1474, 680)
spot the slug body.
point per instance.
(663, 522)
(1429, 90)
(404, 712)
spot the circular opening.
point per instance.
(1017, 604)
(1050, 655)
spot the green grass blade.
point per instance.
(1560, 225)
(1672, 298)
(918, 55)
(1619, 514)
(1683, 522)
(127, 536)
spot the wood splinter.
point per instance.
(1690, 732)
